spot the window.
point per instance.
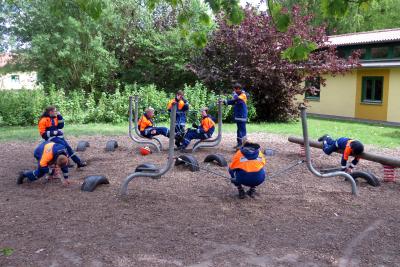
(341, 53)
(313, 86)
(396, 51)
(379, 52)
(362, 51)
(372, 90)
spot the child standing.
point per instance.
(239, 102)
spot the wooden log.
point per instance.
(394, 162)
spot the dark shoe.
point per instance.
(322, 138)
(242, 193)
(252, 192)
(21, 177)
(82, 164)
(237, 147)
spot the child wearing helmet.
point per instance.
(147, 127)
(349, 147)
(247, 168)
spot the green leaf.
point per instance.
(334, 8)
(7, 251)
(282, 21)
(300, 50)
(183, 18)
(199, 38)
(205, 18)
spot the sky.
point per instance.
(263, 6)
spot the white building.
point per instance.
(15, 80)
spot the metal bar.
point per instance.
(286, 169)
(136, 121)
(394, 162)
(212, 142)
(170, 161)
(308, 155)
(134, 139)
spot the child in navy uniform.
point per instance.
(247, 169)
(146, 125)
(349, 147)
(239, 101)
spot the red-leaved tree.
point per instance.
(251, 53)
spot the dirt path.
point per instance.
(195, 219)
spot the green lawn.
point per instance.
(379, 135)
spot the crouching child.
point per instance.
(247, 169)
(147, 127)
(349, 147)
(203, 131)
(48, 154)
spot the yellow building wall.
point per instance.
(372, 111)
(337, 97)
(393, 114)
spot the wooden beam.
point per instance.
(394, 162)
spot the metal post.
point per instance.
(170, 161)
(136, 115)
(134, 139)
(212, 142)
(308, 155)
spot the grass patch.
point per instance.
(376, 134)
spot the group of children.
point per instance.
(54, 152)
(247, 167)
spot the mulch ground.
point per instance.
(195, 218)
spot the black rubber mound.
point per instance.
(91, 182)
(217, 158)
(82, 145)
(189, 161)
(146, 167)
(111, 145)
(149, 168)
(368, 177)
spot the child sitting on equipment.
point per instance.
(202, 132)
(247, 168)
(349, 147)
(48, 154)
(147, 127)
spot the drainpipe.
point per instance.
(170, 161)
(308, 155)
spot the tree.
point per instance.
(358, 17)
(251, 54)
(117, 42)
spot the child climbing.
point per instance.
(147, 127)
(247, 169)
(349, 147)
(182, 108)
(203, 131)
(50, 124)
(239, 101)
(48, 154)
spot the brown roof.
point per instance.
(4, 59)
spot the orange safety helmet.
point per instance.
(145, 151)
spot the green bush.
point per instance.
(24, 107)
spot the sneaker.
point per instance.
(82, 164)
(252, 192)
(322, 138)
(242, 193)
(21, 177)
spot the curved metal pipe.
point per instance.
(212, 142)
(136, 115)
(308, 155)
(134, 139)
(170, 161)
